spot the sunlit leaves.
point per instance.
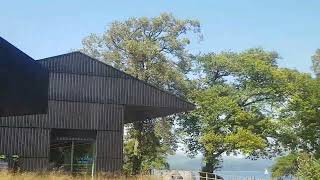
(238, 100)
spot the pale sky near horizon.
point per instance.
(47, 28)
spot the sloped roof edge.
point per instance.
(102, 63)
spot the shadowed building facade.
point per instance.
(23, 83)
(88, 103)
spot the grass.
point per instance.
(59, 176)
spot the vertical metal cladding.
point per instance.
(81, 88)
(108, 165)
(109, 146)
(85, 94)
(79, 63)
(32, 144)
(71, 115)
(29, 143)
(30, 121)
(38, 163)
(77, 77)
(77, 115)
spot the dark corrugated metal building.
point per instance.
(23, 82)
(89, 101)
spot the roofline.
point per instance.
(31, 60)
(162, 90)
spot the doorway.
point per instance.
(73, 151)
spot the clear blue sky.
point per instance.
(47, 28)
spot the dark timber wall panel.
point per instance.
(94, 78)
(30, 164)
(78, 63)
(73, 87)
(29, 121)
(31, 144)
(86, 94)
(75, 115)
(108, 165)
(109, 150)
(72, 115)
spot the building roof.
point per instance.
(24, 83)
(142, 100)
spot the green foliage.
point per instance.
(309, 167)
(245, 102)
(3, 157)
(300, 126)
(301, 165)
(151, 155)
(238, 100)
(285, 166)
(12, 157)
(15, 157)
(153, 50)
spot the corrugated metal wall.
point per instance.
(109, 150)
(31, 144)
(85, 94)
(64, 115)
(98, 82)
(78, 63)
(72, 115)
(110, 90)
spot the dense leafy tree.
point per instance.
(153, 50)
(308, 167)
(238, 99)
(285, 166)
(300, 126)
(303, 165)
(245, 102)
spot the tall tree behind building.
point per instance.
(153, 50)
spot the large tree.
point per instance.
(238, 100)
(299, 127)
(153, 50)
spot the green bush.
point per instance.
(285, 166)
(308, 167)
(302, 165)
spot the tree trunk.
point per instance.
(137, 159)
(212, 163)
(208, 167)
(136, 165)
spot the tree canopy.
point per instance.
(299, 128)
(153, 50)
(237, 98)
(245, 102)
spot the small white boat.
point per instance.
(266, 171)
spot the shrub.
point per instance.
(308, 167)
